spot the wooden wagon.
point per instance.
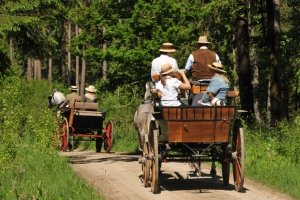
(83, 121)
(198, 133)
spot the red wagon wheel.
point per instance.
(64, 137)
(146, 165)
(108, 137)
(153, 134)
(238, 155)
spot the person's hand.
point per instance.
(181, 72)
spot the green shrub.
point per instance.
(272, 156)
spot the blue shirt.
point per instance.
(218, 86)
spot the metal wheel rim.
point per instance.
(154, 163)
(146, 166)
(239, 159)
(108, 136)
(65, 135)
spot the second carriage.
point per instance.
(83, 121)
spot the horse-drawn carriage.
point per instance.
(195, 134)
(81, 121)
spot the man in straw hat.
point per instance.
(216, 91)
(198, 60)
(166, 51)
(73, 95)
(90, 95)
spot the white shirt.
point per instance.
(190, 59)
(169, 93)
(160, 61)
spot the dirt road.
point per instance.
(118, 176)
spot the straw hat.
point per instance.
(166, 69)
(73, 88)
(203, 40)
(167, 47)
(91, 88)
(217, 67)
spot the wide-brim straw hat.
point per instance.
(203, 40)
(167, 47)
(217, 67)
(73, 87)
(166, 69)
(91, 88)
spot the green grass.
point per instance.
(31, 167)
(272, 157)
(42, 174)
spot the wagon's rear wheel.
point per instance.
(108, 137)
(64, 137)
(146, 165)
(154, 158)
(238, 156)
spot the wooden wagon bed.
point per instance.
(205, 124)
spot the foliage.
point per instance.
(31, 168)
(270, 152)
(121, 106)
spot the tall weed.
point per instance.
(30, 166)
(273, 156)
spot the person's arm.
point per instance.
(188, 65)
(185, 85)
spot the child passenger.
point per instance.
(168, 86)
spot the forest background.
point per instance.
(111, 43)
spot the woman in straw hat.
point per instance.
(216, 91)
(168, 85)
(90, 95)
(166, 51)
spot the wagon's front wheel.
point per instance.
(146, 165)
(154, 161)
(238, 156)
(108, 137)
(64, 137)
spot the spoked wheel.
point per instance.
(154, 158)
(64, 137)
(108, 137)
(238, 156)
(146, 165)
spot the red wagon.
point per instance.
(83, 121)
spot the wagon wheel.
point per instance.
(64, 137)
(108, 137)
(146, 165)
(155, 158)
(238, 155)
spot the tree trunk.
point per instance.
(243, 64)
(50, 70)
(37, 69)
(274, 63)
(253, 61)
(29, 69)
(104, 64)
(77, 58)
(83, 71)
(11, 50)
(68, 45)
